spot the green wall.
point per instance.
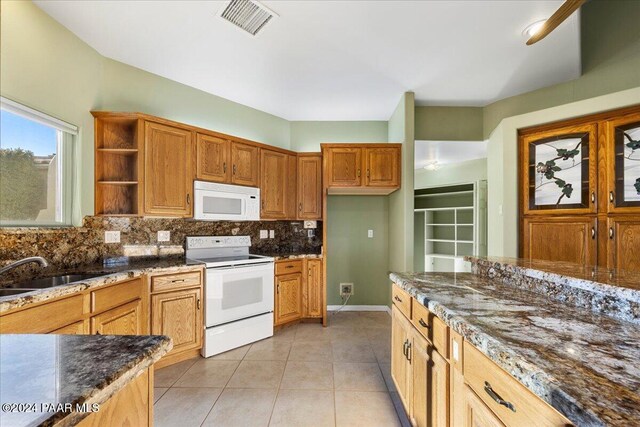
(352, 256)
(448, 123)
(307, 136)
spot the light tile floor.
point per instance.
(305, 375)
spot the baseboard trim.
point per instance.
(359, 308)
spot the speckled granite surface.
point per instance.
(284, 257)
(614, 293)
(582, 363)
(75, 369)
(116, 273)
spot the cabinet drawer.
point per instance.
(113, 296)
(487, 379)
(175, 281)
(402, 300)
(43, 318)
(432, 328)
(288, 267)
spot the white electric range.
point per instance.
(238, 291)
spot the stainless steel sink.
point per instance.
(50, 282)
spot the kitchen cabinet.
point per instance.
(313, 289)
(429, 384)
(476, 412)
(168, 178)
(362, 168)
(288, 298)
(400, 368)
(213, 158)
(43, 318)
(176, 311)
(78, 328)
(309, 186)
(245, 164)
(274, 176)
(579, 180)
(126, 319)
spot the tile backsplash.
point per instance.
(70, 247)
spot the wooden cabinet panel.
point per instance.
(622, 145)
(310, 186)
(476, 413)
(313, 300)
(438, 390)
(124, 320)
(213, 158)
(288, 299)
(382, 167)
(168, 178)
(400, 339)
(113, 296)
(624, 243)
(432, 328)
(178, 315)
(172, 282)
(344, 167)
(245, 161)
(43, 318)
(571, 239)
(273, 184)
(430, 384)
(288, 267)
(402, 300)
(77, 328)
(291, 193)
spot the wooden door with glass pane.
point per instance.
(623, 164)
(558, 175)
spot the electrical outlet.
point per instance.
(311, 224)
(311, 233)
(264, 234)
(272, 234)
(164, 236)
(346, 289)
(112, 237)
(370, 234)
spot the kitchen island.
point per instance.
(66, 380)
(574, 342)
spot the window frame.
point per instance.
(67, 135)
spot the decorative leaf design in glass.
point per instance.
(631, 169)
(558, 172)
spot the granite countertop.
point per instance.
(107, 274)
(582, 363)
(48, 370)
(283, 257)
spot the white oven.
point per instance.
(215, 202)
(238, 292)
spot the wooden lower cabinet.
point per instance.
(312, 297)
(126, 319)
(624, 243)
(131, 406)
(77, 328)
(476, 413)
(570, 239)
(400, 338)
(288, 298)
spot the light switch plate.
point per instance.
(164, 236)
(112, 237)
(370, 234)
(264, 234)
(272, 234)
(311, 224)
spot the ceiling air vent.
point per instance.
(249, 15)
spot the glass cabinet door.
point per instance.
(623, 137)
(559, 170)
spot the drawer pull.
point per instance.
(289, 266)
(495, 396)
(423, 323)
(397, 298)
(177, 280)
(198, 303)
(404, 348)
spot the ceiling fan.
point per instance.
(558, 17)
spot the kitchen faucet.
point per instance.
(43, 262)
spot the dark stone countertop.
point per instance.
(582, 363)
(69, 369)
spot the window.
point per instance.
(36, 167)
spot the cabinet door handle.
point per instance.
(409, 352)
(495, 396)
(278, 288)
(263, 204)
(224, 167)
(611, 232)
(593, 232)
(397, 298)
(612, 197)
(367, 173)
(423, 323)
(300, 207)
(358, 172)
(177, 280)
(234, 169)
(198, 304)
(98, 333)
(593, 197)
(188, 199)
(404, 348)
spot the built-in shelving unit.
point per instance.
(454, 224)
(117, 162)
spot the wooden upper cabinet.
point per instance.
(382, 167)
(624, 243)
(362, 168)
(309, 186)
(168, 177)
(623, 163)
(213, 158)
(570, 239)
(245, 164)
(559, 170)
(344, 167)
(274, 175)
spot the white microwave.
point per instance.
(224, 202)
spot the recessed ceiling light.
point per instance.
(532, 29)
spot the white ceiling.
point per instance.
(335, 60)
(446, 152)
